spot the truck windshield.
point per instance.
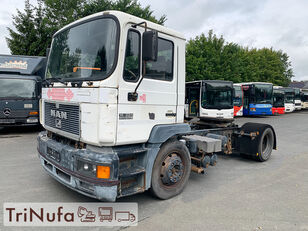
(278, 99)
(217, 96)
(17, 88)
(83, 52)
(263, 93)
(238, 97)
(289, 97)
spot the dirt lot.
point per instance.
(236, 194)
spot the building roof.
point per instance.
(301, 84)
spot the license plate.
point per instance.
(7, 121)
(53, 154)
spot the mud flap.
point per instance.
(249, 137)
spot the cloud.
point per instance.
(264, 23)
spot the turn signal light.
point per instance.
(103, 172)
(33, 113)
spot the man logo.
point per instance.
(7, 111)
(58, 123)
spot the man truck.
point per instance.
(113, 109)
(20, 89)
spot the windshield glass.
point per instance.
(278, 99)
(17, 88)
(217, 96)
(238, 97)
(305, 97)
(85, 51)
(263, 93)
(297, 94)
(289, 97)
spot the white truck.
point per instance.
(113, 109)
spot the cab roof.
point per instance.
(125, 18)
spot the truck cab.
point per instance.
(20, 89)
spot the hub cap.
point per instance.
(172, 169)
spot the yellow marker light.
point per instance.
(103, 172)
(33, 113)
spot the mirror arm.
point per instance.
(139, 24)
(133, 96)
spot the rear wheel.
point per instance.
(266, 145)
(171, 170)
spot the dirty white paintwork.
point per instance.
(102, 103)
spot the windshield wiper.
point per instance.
(49, 80)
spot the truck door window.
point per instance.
(132, 57)
(162, 69)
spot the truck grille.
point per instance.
(65, 117)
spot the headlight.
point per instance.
(92, 170)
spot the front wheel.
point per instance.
(266, 145)
(171, 170)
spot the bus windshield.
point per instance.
(278, 99)
(83, 52)
(263, 93)
(17, 88)
(297, 94)
(217, 96)
(289, 97)
(238, 97)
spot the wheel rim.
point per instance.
(172, 170)
(267, 145)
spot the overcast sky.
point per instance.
(281, 24)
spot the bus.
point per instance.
(258, 98)
(297, 99)
(278, 102)
(238, 100)
(304, 98)
(210, 100)
(20, 89)
(289, 99)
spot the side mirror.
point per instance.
(47, 51)
(149, 45)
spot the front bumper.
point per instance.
(64, 169)
(5, 122)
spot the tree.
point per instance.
(210, 57)
(21, 41)
(35, 26)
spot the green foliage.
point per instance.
(211, 57)
(33, 28)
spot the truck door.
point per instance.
(157, 93)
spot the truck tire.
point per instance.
(171, 170)
(266, 145)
